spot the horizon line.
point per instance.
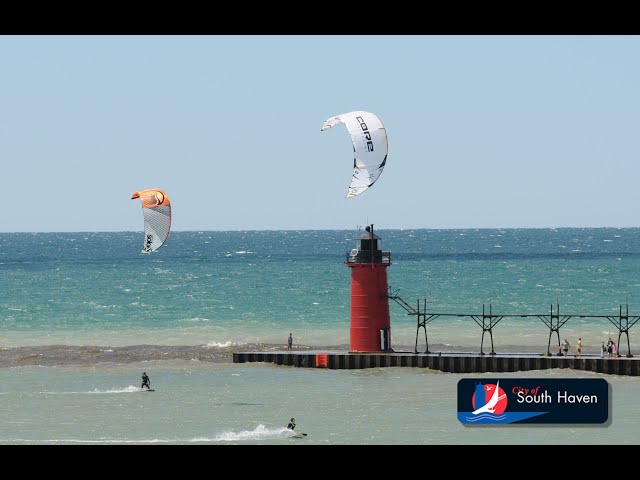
(328, 229)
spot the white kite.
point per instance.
(370, 148)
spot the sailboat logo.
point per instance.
(489, 403)
(489, 398)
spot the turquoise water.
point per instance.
(83, 314)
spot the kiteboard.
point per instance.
(149, 390)
(298, 435)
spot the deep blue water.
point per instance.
(246, 287)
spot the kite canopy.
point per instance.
(369, 139)
(156, 210)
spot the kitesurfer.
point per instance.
(292, 424)
(145, 381)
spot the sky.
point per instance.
(487, 131)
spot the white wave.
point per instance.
(128, 389)
(259, 433)
(241, 252)
(195, 319)
(213, 344)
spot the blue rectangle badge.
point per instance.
(533, 400)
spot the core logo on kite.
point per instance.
(367, 134)
(147, 245)
(489, 399)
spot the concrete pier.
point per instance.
(445, 362)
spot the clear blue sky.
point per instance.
(483, 131)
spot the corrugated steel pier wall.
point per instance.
(450, 363)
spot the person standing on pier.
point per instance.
(565, 347)
(579, 347)
(289, 343)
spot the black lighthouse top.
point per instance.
(368, 249)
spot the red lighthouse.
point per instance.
(370, 323)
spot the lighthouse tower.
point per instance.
(370, 323)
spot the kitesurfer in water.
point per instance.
(145, 381)
(292, 424)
